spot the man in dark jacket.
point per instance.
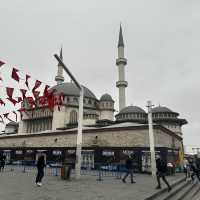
(194, 169)
(40, 168)
(129, 167)
(161, 173)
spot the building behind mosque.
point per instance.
(106, 138)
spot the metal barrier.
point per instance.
(100, 170)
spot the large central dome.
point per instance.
(70, 89)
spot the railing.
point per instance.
(100, 170)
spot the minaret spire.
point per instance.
(120, 41)
(121, 62)
(59, 78)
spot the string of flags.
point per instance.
(49, 98)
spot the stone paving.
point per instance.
(16, 185)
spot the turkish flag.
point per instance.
(9, 91)
(13, 101)
(2, 102)
(26, 82)
(2, 121)
(1, 63)
(46, 93)
(19, 99)
(23, 91)
(14, 75)
(37, 85)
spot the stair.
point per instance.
(160, 195)
(181, 190)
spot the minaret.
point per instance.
(121, 62)
(59, 78)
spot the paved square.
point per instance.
(16, 185)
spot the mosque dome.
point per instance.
(162, 109)
(106, 97)
(132, 113)
(70, 89)
(131, 109)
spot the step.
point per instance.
(164, 191)
(175, 190)
(185, 192)
(194, 192)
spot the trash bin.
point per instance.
(66, 172)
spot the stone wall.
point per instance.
(106, 138)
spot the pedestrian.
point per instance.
(194, 169)
(129, 168)
(40, 170)
(161, 173)
(2, 162)
(186, 168)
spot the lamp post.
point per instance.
(151, 139)
(80, 119)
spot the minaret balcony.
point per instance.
(121, 84)
(121, 61)
(59, 78)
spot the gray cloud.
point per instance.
(161, 45)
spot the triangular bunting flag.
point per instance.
(14, 75)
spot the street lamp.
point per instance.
(151, 139)
(80, 119)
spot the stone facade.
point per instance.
(104, 137)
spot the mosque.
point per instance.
(106, 137)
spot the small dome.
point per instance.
(106, 97)
(70, 89)
(161, 109)
(131, 109)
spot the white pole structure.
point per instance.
(79, 136)
(80, 119)
(151, 139)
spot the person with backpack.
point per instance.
(129, 168)
(161, 173)
(194, 169)
(40, 170)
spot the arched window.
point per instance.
(73, 117)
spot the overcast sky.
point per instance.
(161, 44)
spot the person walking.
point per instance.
(2, 162)
(40, 170)
(186, 168)
(129, 167)
(195, 171)
(161, 173)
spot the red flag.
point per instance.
(36, 94)
(61, 98)
(42, 100)
(19, 99)
(2, 102)
(15, 76)
(2, 121)
(26, 82)
(46, 93)
(9, 91)
(23, 91)
(31, 101)
(1, 63)
(13, 101)
(37, 85)
(15, 115)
